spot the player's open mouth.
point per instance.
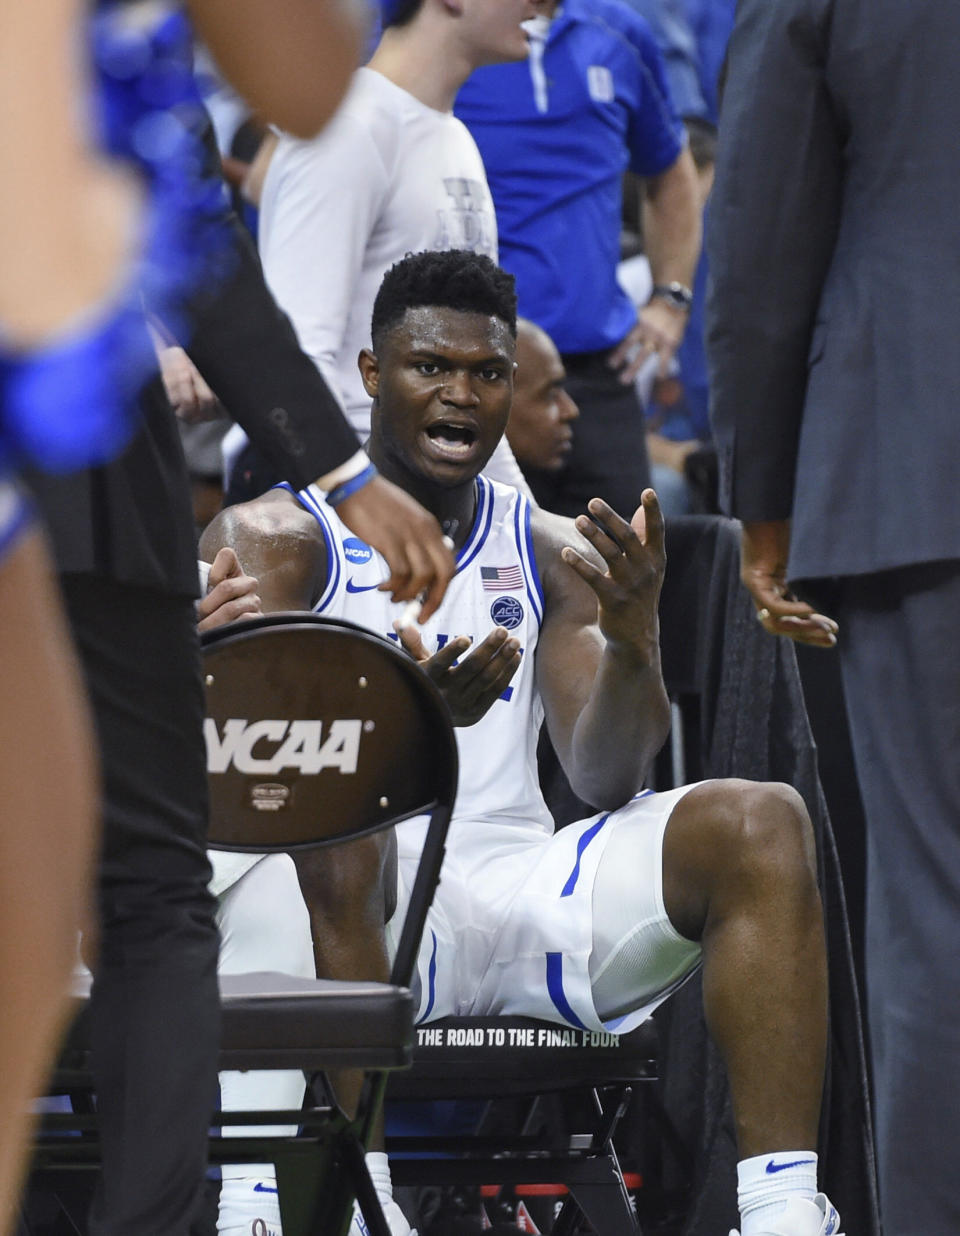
(451, 440)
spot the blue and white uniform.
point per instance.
(511, 929)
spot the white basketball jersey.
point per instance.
(496, 584)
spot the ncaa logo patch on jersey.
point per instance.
(507, 612)
(356, 552)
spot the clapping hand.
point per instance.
(473, 685)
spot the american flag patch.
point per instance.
(496, 579)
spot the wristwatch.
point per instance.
(677, 295)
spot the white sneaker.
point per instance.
(396, 1221)
(803, 1218)
(249, 1205)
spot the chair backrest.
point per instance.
(318, 731)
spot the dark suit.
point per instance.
(124, 541)
(835, 253)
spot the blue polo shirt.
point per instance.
(556, 133)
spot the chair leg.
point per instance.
(596, 1185)
(603, 1201)
(370, 1208)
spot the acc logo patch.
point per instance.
(507, 612)
(356, 551)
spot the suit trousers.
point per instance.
(155, 1007)
(608, 458)
(901, 671)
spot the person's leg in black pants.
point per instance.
(155, 1004)
(901, 671)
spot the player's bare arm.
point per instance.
(598, 660)
(276, 541)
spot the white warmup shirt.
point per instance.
(387, 177)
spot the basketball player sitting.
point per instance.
(556, 620)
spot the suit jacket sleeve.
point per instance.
(772, 228)
(247, 350)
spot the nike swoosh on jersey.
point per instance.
(352, 587)
(260, 1187)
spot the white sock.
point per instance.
(378, 1165)
(766, 1182)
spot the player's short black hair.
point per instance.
(449, 279)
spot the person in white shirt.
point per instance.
(394, 173)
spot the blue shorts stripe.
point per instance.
(557, 994)
(431, 981)
(582, 844)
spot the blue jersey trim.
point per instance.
(585, 839)
(481, 525)
(556, 992)
(310, 503)
(431, 982)
(521, 519)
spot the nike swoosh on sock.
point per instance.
(774, 1166)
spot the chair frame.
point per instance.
(604, 1076)
(321, 1169)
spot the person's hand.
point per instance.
(628, 591)
(659, 330)
(471, 687)
(190, 397)
(763, 569)
(407, 536)
(230, 593)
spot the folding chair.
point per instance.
(526, 1071)
(317, 732)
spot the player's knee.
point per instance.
(264, 923)
(344, 881)
(766, 835)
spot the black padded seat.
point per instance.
(274, 1021)
(278, 1021)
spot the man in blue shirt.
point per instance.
(711, 22)
(672, 29)
(557, 134)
